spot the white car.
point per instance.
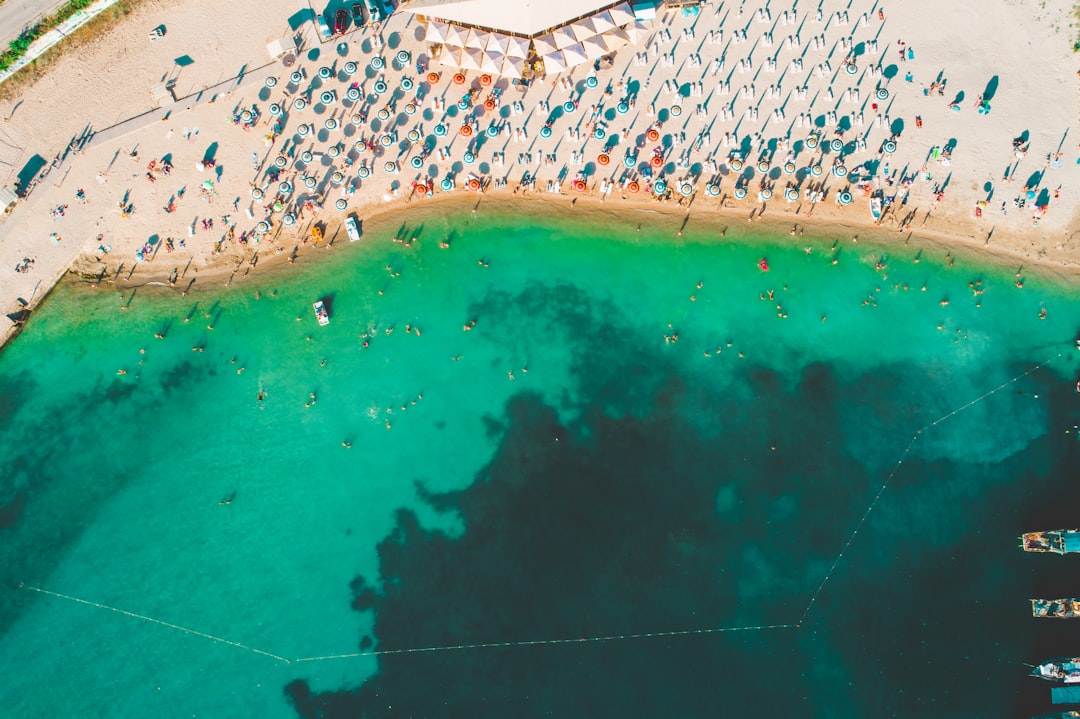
(352, 228)
(323, 27)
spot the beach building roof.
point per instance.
(524, 17)
(281, 46)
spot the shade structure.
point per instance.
(601, 22)
(614, 39)
(435, 31)
(517, 47)
(471, 58)
(574, 55)
(594, 47)
(476, 39)
(520, 17)
(564, 37)
(636, 31)
(497, 42)
(512, 67)
(544, 44)
(491, 62)
(581, 30)
(553, 62)
(454, 36)
(621, 13)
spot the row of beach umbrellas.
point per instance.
(473, 59)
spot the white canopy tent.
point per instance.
(454, 36)
(601, 22)
(492, 63)
(545, 44)
(564, 37)
(512, 67)
(517, 47)
(497, 42)
(435, 31)
(476, 39)
(594, 47)
(581, 30)
(621, 14)
(614, 39)
(553, 62)
(574, 55)
(519, 17)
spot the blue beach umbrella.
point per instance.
(331, 123)
(406, 83)
(852, 68)
(306, 156)
(839, 170)
(417, 162)
(256, 193)
(350, 68)
(275, 109)
(263, 227)
(622, 108)
(303, 130)
(271, 81)
(590, 81)
(844, 198)
(599, 133)
(686, 188)
(629, 161)
(837, 145)
(376, 63)
(791, 194)
(469, 158)
(299, 104)
(712, 190)
(439, 130)
(659, 187)
(492, 131)
(327, 98)
(812, 141)
(815, 170)
(889, 147)
(545, 131)
(296, 77)
(463, 104)
(325, 73)
(288, 219)
(363, 171)
(353, 94)
(380, 87)
(414, 135)
(341, 204)
(447, 184)
(403, 56)
(765, 194)
(309, 182)
(280, 161)
(881, 94)
(568, 106)
(740, 193)
(410, 109)
(285, 188)
(334, 151)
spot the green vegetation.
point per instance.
(18, 47)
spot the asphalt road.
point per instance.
(17, 15)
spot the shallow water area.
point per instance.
(556, 430)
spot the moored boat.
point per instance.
(1068, 608)
(1056, 541)
(321, 314)
(875, 207)
(1059, 715)
(1065, 670)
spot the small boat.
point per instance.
(1068, 608)
(1059, 715)
(321, 314)
(1059, 670)
(763, 265)
(875, 207)
(1057, 541)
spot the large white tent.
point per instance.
(516, 17)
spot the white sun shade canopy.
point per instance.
(454, 37)
(553, 62)
(594, 47)
(518, 17)
(517, 47)
(436, 31)
(574, 55)
(564, 37)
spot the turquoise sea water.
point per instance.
(667, 457)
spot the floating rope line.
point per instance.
(535, 642)
(607, 638)
(896, 467)
(163, 623)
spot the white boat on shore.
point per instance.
(321, 313)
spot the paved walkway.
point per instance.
(17, 15)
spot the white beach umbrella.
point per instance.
(491, 62)
(517, 47)
(594, 47)
(476, 39)
(621, 14)
(602, 22)
(471, 58)
(512, 67)
(636, 32)
(497, 42)
(581, 30)
(564, 37)
(545, 44)
(436, 31)
(614, 39)
(553, 62)
(574, 55)
(450, 57)
(454, 36)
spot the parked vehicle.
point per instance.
(323, 27)
(341, 21)
(374, 14)
(358, 16)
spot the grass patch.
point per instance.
(27, 76)
(18, 47)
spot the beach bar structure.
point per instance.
(529, 37)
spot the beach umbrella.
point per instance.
(490, 63)
(476, 39)
(416, 162)
(435, 32)
(469, 158)
(376, 62)
(497, 42)
(621, 14)
(383, 114)
(414, 135)
(594, 47)
(470, 58)
(492, 131)
(636, 31)
(208, 185)
(622, 108)
(712, 190)
(353, 94)
(280, 161)
(256, 193)
(439, 130)
(659, 187)
(334, 150)
(296, 77)
(380, 87)
(275, 109)
(327, 97)
(545, 131)
(341, 204)
(363, 171)
(581, 30)
(271, 81)
(406, 83)
(325, 72)
(553, 62)
(299, 104)
(306, 156)
(517, 47)
(675, 110)
(740, 193)
(564, 37)
(337, 178)
(614, 39)
(403, 57)
(263, 227)
(285, 188)
(454, 36)
(447, 184)
(544, 44)
(310, 182)
(686, 189)
(602, 22)
(289, 219)
(450, 58)
(331, 123)
(350, 68)
(357, 119)
(791, 194)
(512, 67)
(574, 55)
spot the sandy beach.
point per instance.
(967, 138)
